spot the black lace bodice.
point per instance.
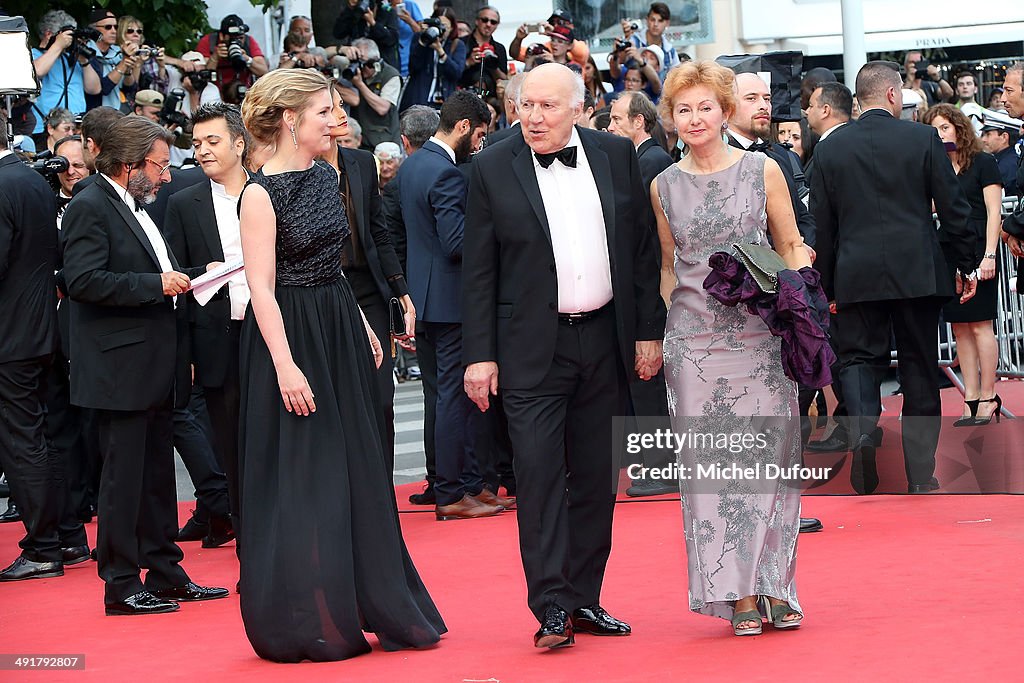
(311, 224)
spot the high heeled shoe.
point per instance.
(999, 404)
(969, 421)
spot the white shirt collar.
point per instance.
(220, 191)
(122, 193)
(829, 131)
(642, 142)
(744, 142)
(445, 146)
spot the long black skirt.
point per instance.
(322, 554)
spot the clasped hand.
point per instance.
(648, 359)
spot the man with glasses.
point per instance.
(128, 312)
(111, 63)
(65, 74)
(486, 58)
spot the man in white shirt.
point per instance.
(202, 226)
(125, 290)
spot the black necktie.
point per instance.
(566, 155)
(761, 147)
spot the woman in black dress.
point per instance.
(324, 558)
(976, 346)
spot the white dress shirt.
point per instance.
(156, 239)
(445, 146)
(829, 131)
(225, 208)
(578, 238)
(744, 142)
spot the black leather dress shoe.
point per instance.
(75, 555)
(924, 488)
(652, 487)
(810, 524)
(194, 530)
(833, 444)
(596, 621)
(425, 498)
(5, 490)
(22, 569)
(220, 532)
(556, 630)
(12, 514)
(191, 592)
(142, 602)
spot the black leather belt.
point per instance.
(585, 316)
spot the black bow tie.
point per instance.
(761, 147)
(566, 155)
(62, 203)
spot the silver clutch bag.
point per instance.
(763, 264)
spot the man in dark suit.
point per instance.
(750, 127)
(202, 227)
(28, 258)
(880, 260)
(128, 354)
(560, 295)
(433, 196)
(512, 127)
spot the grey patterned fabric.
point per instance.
(723, 370)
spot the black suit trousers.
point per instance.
(566, 474)
(67, 449)
(222, 403)
(864, 343)
(138, 511)
(426, 358)
(194, 443)
(26, 457)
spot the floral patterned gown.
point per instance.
(724, 374)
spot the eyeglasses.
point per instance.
(106, 27)
(163, 169)
(133, 30)
(486, 20)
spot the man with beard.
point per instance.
(433, 199)
(127, 309)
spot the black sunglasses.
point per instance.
(489, 21)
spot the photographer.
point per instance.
(924, 77)
(233, 54)
(298, 55)
(115, 67)
(658, 19)
(579, 52)
(436, 62)
(62, 65)
(361, 19)
(167, 112)
(379, 87)
(198, 82)
(486, 58)
(630, 71)
(150, 69)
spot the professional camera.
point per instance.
(80, 45)
(433, 32)
(350, 71)
(201, 79)
(47, 164)
(921, 69)
(237, 56)
(170, 114)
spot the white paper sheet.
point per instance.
(207, 284)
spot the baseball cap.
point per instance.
(560, 15)
(911, 100)
(563, 32)
(99, 14)
(230, 21)
(194, 56)
(149, 98)
(657, 52)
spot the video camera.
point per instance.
(80, 45)
(433, 32)
(49, 165)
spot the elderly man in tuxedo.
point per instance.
(127, 298)
(561, 307)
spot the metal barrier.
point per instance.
(1009, 323)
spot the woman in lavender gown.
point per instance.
(723, 367)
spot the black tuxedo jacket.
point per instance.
(873, 187)
(804, 219)
(653, 160)
(510, 291)
(374, 237)
(180, 179)
(129, 345)
(190, 226)
(28, 258)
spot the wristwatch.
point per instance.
(248, 62)
(992, 255)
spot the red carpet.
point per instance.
(895, 588)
